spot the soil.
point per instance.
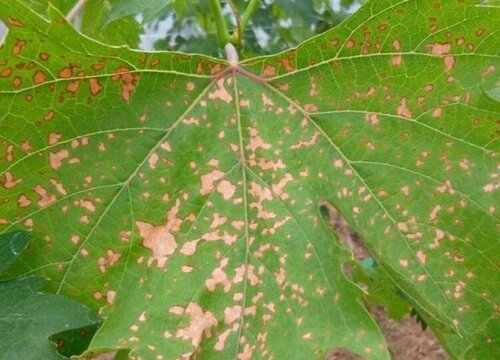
(407, 340)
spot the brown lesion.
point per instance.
(128, 81)
(18, 47)
(15, 22)
(39, 77)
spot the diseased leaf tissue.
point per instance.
(181, 200)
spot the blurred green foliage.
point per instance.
(189, 26)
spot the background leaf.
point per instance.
(11, 245)
(28, 318)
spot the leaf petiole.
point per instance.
(220, 22)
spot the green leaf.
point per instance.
(180, 197)
(28, 318)
(149, 9)
(122, 31)
(380, 289)
(74, 341)
(11, 245)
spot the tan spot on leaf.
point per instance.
(17, 82)
(232, 314)
(208, 181)
(56, 158)
(200, 323)
(491, 187)
(217, 221)
(49, 115)
(6, 72)
(85, 219)
(176, 310)
(189, 248)
(73, 86)
(26, 146)
(371, 91)
(269, 71)
(110, 259)
(111, 297)
(39, 77)
(213, 163)
(440, 48)
(9, 181)
(166, 146)
(307, 143)
(127, 80)
(434, 212)
(226, 189)
(421, 257)
(65, 73)
(437, 239)
(221, 340)
(191, 121)
(307, 336)
(23, 201)
(256, 141)
(437, 112)
(220, 93)
(18, 48)
(489, 70)
(9, 153)
(403, 109)
(279, 188)
(86, 204)
(59, 187)
(54, 138)
(449, 62)
(266, 101)
(94, 86)
(75, 239)
(153, 160)
(397, 60)
(159, 238)
(14, 22)
(45, 199)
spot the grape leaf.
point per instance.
(180, 195)
(28, 317)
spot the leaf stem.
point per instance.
(236, 37)
(220, 22)
(252, 6)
